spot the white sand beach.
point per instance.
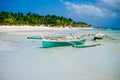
(9, 29)
(27, 60)
(26, 28)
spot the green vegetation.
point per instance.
(7, 18)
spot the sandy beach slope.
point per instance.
(29, 28)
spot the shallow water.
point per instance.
(25, 59)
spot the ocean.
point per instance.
(25, 59)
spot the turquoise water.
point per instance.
(25, 59)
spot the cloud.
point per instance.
(84, 9)
(112, 7)
(106, 8)
(111, 3)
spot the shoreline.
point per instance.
(29, 28)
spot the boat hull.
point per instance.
(95, 38)
(98, 36)
(49, 43)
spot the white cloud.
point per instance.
(95, 10)
(112, 3)
(84, 9)
(112, 7)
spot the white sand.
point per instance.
(26, 30)
(21, 28)
(29, 28)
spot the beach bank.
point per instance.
(9, 29)
(26, 28)
(25, 57)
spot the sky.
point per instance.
(104, 13)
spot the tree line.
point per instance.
(9, 18)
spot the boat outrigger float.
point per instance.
(85, 46)
(34, 37)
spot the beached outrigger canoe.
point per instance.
(47, 43)
(98, 36)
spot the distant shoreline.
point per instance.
(29, 28)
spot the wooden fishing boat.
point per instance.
(47, 43)
(98, 36)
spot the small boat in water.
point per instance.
(47, 43)
(98, 36)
